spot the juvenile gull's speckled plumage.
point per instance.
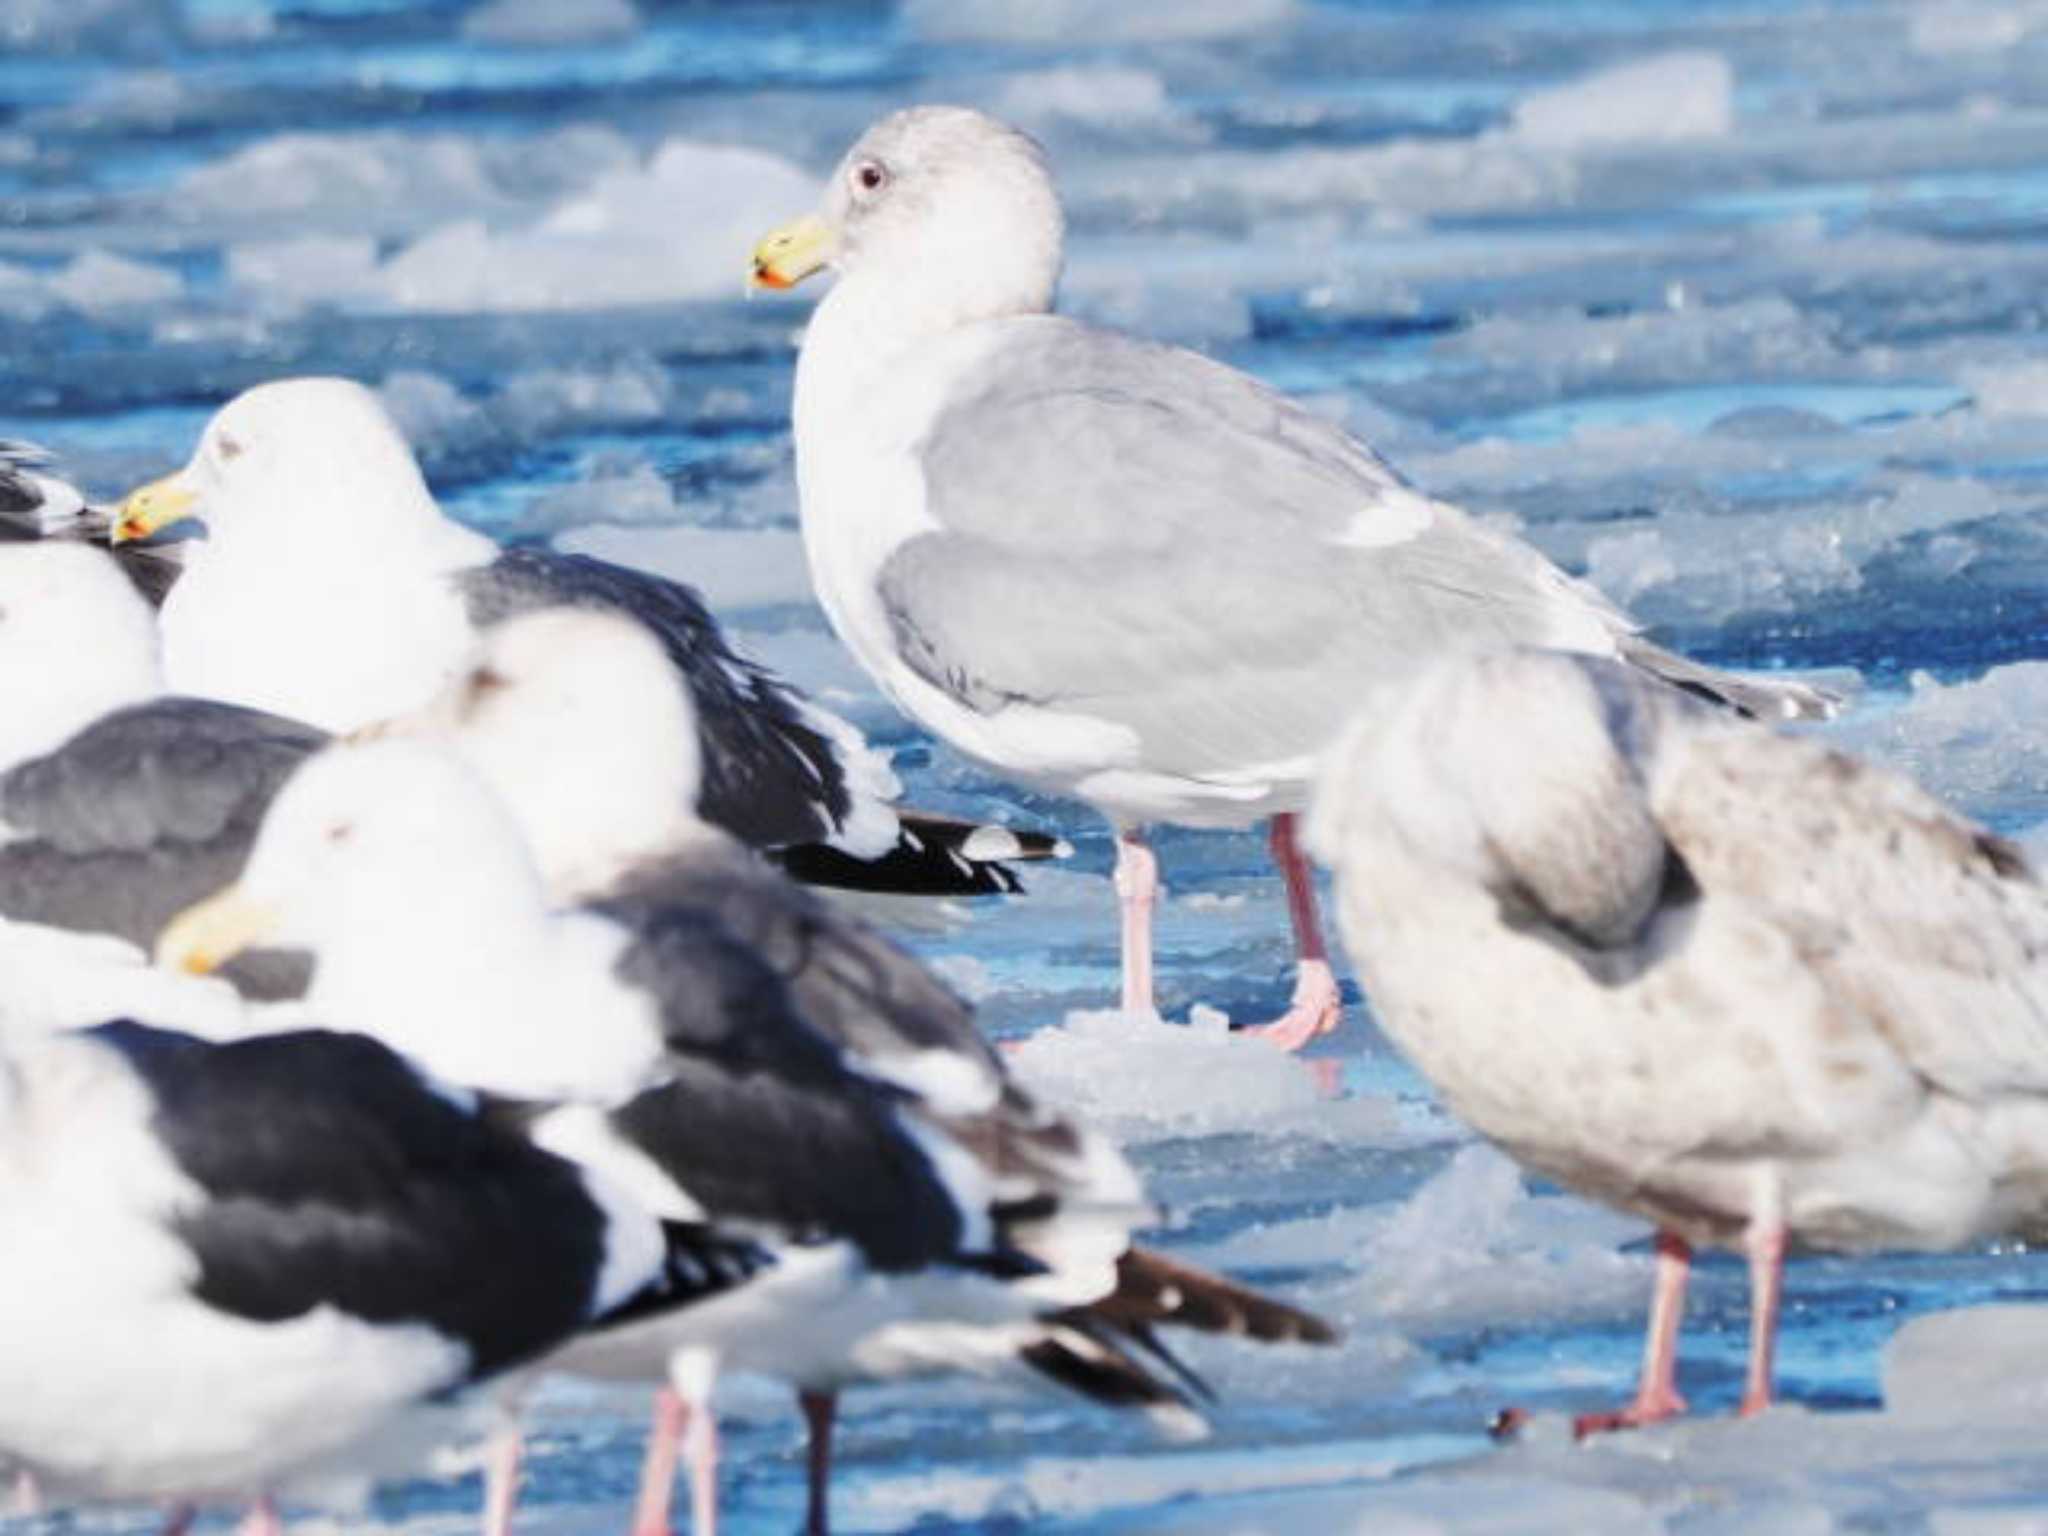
(1738, 983)
(1108, 568)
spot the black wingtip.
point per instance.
(934, 856)
(1084, 1356)
(1155, 1291)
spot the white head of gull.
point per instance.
(1735, 982)
(1107, 568)
(583, 728)
(75, 642)
(395, 865)
(321, 590)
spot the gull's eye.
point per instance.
(485, 681)
(870, 176)
(230, 448)
(341, 832)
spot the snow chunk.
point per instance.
(1977, 743)
(1099, 97)
(304, 271)
(631, 392)
(393, 182)
(1473, 1247)
(629, 493)
(2009, 389)
(675, 229)
(434, 415)
(98, 281)
(1709, 566)
(1969, 26)
(336, 175)
(733, 568)
(1099, 21)
(541, 23)
(1975, 1365)
(1139, 1078)
(1671, 96)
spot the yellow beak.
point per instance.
(786, 256)
(208, 934)
(150, 508)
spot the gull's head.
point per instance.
(952, 208)
(76, 640)
(582, 726)
(300, 455)
(369, 852)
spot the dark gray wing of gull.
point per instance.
(761, 1117)
(771, 775)
(1137, 535)
(333, 1175)
(36, 505)
(778, 772)
(144, 812)
(890, 1014)
(768, 994)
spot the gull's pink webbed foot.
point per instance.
(1657, 1395)
(1316, 1007)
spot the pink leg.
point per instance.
(501, 1479)
(1316, 1008)
(261, 1520)
(700, 1458)
(819, 1410)
(1137, 889)
(1766, 1245)
(25, 1497)
(658, 1471)
(1657, 1394)
(178, 1519)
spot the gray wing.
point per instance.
(849, 983)
(761, 1118)
(771, 776)
(142, 813)
(880, 1006)
(1138, 533)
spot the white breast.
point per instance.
(337, 647)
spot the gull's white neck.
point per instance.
(867, 328)
(519, 1003)
(335, 631)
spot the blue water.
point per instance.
(1791, 349)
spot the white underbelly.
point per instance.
(338, 654)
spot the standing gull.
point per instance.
(1740, 984)
(736, 957)
(1107, 568)
(330, 588)
(241, 1271)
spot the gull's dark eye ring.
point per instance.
(870, 176)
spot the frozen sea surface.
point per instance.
(1736, 306)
